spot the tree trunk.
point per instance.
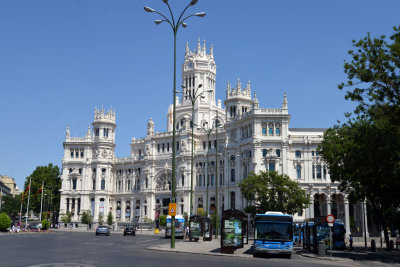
(383, 223)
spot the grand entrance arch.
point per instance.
(163, 188)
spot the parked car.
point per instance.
(102, 230)
(33, 228)
(129, 230)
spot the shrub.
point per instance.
(163, 220)
(5, 222)
(45, 224)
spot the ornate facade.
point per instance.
(251, 139)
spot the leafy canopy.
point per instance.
(270, 191)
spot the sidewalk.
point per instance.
(359, 254)
(212, 247)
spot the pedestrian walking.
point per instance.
(351, 242)
(187, 232)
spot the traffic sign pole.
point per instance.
(330, 219)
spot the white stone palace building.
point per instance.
(251, 139)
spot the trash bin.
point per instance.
(373, 245)
(321, 249)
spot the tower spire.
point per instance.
(212, 51)
(284, 102)
(198, 46)
(187, 50)
(204, 47)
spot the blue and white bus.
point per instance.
(273, 234)
(179, 226)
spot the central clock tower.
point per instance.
(199, 68)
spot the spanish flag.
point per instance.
(27, 190)
(22, 198)
(39, 191)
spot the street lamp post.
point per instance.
(193, 97)
(217, 124)
(174, 26)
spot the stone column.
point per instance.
(123, 207)
(311, 207)
(328, 203)
(366, 219)
(347, 216)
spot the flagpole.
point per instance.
(27, 206)
(41, 200)
(20, 210)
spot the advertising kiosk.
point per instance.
(233, 230)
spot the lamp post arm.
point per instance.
(172, 16)
(179, 22)
(166, 19)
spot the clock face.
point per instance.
(212, 66)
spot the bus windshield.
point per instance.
(273, 231)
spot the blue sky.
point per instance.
(60, 59)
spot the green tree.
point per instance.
(363, 154)
(163, 220)
(67, 218)
(87, 218)
(270, 191)
(110, 218)
(50, 175)
(11, 205)
(5, 222)
(101, 218)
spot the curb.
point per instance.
(328, 258)
(199, 253)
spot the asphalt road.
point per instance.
(87, 250)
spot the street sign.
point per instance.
(330, 219)
(172, 209)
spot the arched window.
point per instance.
(183, 180)
(264, 151)
(103, 184)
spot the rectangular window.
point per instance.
(177, 146)
(264, 131)
(204, 144)
(97, 132)
(271, 167)
(158, 148)
(264, 152)
(278, 153)
(215, 143)
(298, 154)
(232, 175)
(271, 131)
(312, 153)
(298, 171)
(167, 147)
(72, 154)
(140, 152)
(94, 184)
(313, 171)
(319, 176)
(277, 131)
(209, 144)
(212, 179)
(324, 172)
(74, 184)
(81, 154)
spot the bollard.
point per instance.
(373, 245)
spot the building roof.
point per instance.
(308, 129)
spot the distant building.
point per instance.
(10, 183)
(252, 139)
